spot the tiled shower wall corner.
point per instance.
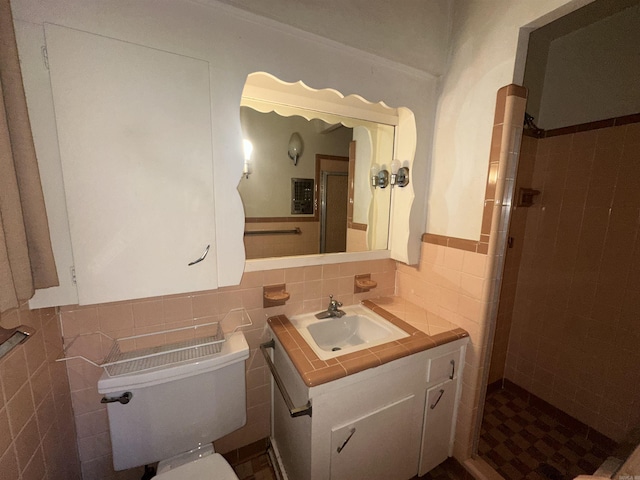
(458, 278)
(512, 263)
(309, 288)
(37, 432)
(574, 329)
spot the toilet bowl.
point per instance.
(174, 412)
(200, 464)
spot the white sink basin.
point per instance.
(360, 328)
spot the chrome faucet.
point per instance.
(333, 310)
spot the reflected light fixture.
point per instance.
(379, 178)
(399, 174)
(248, 150)
(295, 147)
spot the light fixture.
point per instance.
(399, 174)
(295, 147)
(379, 178)
(248, 150)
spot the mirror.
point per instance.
(306, 184)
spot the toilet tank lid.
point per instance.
(234, 349)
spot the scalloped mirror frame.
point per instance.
(266, 93)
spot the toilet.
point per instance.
(171, 414)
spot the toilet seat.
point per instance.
(211, 467)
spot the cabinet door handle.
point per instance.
(453, 369)
(433, 405)
(344, 444)
(202, 257)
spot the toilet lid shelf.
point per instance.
(158, 349)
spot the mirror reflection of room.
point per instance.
(306, 188)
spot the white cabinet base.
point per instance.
(375, 417)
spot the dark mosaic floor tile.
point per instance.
(537, 454)
(514, 448)
(518, 438)
(552, 442)
(450, 469)
(520, 466)
(574, 447)
(549, 472)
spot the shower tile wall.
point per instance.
(309, 288)
(575, 329)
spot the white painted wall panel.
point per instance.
(134, 131)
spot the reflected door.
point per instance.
(333, 221)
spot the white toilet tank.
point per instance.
(178, 407)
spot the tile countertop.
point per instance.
(426, 330)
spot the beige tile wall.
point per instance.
(453, 283)
(576, 317)
(309, 288)
(37, 433)
(460, 279)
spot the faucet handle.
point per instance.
(334, 303)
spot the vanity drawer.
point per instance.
(444, 367)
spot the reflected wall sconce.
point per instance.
(399, 174)
(379, 178)
(248, 150)
(295, 147)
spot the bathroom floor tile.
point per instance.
(520, 441)
(450, 469)
(258, 468)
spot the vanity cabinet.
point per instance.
(358, 450)
(439, 410)
(437, 428)
(373, 424)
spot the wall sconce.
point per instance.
(399, 174)
(295, 147)
(248, 150)
(379, 178)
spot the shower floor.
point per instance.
(522, 441)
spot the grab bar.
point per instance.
(295, 231)
(293, 410)
(11, 338)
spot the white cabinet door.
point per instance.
(134, 131)
(375, 446)
(437, 426)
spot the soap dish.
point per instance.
(274, 295)
(363, 283)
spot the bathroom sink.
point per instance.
(360, 328)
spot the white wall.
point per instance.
(483, 59)
(235, 44)
(412, 32)
(592, 74)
